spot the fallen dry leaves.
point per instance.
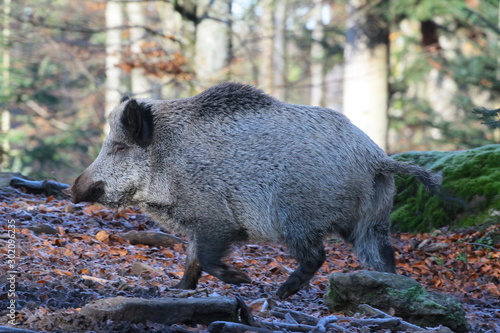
(84, 258)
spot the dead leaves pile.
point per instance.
(68, 255)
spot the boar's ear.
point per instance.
(137, 120)
(124, 98)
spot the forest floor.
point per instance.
(77, 255)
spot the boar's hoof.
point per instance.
(290, 287)
(233, 276)
(185, 284)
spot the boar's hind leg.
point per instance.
(210, 251)
(192, 270)
(371, 238)
(310, 255)
(373, 245)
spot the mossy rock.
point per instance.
(404, 295)
(470, 175)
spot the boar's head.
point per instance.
(117, 176)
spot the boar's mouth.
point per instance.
(90, 193)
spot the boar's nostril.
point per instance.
(92, 193)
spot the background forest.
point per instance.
(408, 72)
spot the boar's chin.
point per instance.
(123, 201)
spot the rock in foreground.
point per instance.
(168, 310)
(406, 296)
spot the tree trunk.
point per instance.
(140, 85)
(279, 48)
(317, 57)
(213, 42)
(366, 70)
(171, 22)
(114, 20)
(5, 117)
(266, 46)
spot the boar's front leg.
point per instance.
(192, 270)
(211, 248)
(310, 255)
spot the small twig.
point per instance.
(289, 319)
(287, 327)
(95, 279)
(7, 329)
(189, 293)
(245, 314)
(338, 328)
(403, 324)
(379, 323)
(373, 311)
(321, 326)
(298, 316)
(224, 326)
(484, 245)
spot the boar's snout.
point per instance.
(84, 189)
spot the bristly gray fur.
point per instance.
(234, 164)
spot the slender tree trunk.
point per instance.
(266, 46)
(279, 48)
(317, 57)
(140, 85)
(366, 71)
(5, 119)
(213, 42)
(172, 25)
(114, 19)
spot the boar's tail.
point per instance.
(431, 180)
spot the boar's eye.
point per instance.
(120, 148)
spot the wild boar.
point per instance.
(233, 164)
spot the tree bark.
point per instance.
(279, 50)
(366, 70)
(213, 42)
(140, 85)
(317, 57)
(171, 22)
(5, 117)
(114, 19)
(266, 46)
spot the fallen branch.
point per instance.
(298, 316)
(245, 313)
(322, 323)
(47, 187)
(289, 319)
(95, 279)
(484, 245)
(288, 327)
(229, 327)
(378, 323)
(376, 312)
(6, 329)
(189, 293)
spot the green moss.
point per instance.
(412, 294)
(434, 305)
(471, 175)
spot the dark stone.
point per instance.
(406, 296)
